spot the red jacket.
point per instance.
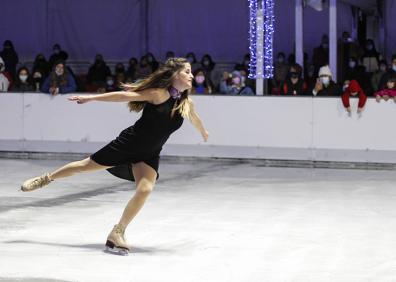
(354, 87)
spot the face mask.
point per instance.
(345, 87)
(23, 77)
(150, 59)
(325, 80)
(190, 60)
(200, 79)
(352, 64)
(294, 74)
(56, 51)
(394, 67)
(236, 80)
(247, 62)
(281, 59)
(243, 79)
(383, 68)
(369, 47)
(58, 72)
(110, 82)
(206, 63)
(325, 45)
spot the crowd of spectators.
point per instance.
(362, 72)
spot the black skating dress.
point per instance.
(141, 142)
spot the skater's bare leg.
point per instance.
(145, 177)
(69, 169)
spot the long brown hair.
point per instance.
(62, 80)
(162, 78)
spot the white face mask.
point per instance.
(394, 67)
(23, 77)
(352, 64)
(325, 80)
(110, 82)
(59, 72)
(200, 79)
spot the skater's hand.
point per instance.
(79, 99)
(205, 135)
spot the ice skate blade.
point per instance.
(116, 251)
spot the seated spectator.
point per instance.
(354, 71)
(390, 73)
(376, 78)
(97, 74)
(192, 59)
(244, 65)
(370, 58)
(5, 78)
(144, 69)
(207, 65)
(38, 79)
(41, 64)
(57, 55)
(325, 86)
(119, 81)
(119, 68)
(232, 84)
(10, 58)
(23, 82)
(294, 84)
(200, 84)
(388, 92)
(281, 69)
(132, 67)
(354, 89)
(152, 61)
(169, 54)
(110, 85)
(59, 81)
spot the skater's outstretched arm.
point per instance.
(148, 95)
(197, 122)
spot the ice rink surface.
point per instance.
(207, 220)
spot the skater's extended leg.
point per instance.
(145, 177)
(65, 171)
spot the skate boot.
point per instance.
(116, 241)
(35, 183)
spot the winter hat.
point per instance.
(236, 74)
(325, 70)
(354, 86)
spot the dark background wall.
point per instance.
(120, 29)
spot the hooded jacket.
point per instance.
(354, 87)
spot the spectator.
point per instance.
(110, 85)
(354, 90)
(321, 54)
(41, 64)
(200, 84)
(59, 81)
(347, 48)
(152, 61)
(132, 67)
(356, 72)
(310, 77)
(10, 58)
(388, 92)
(207, 65)
(244, 65)
(376, 78)
(325, 86)
(192, 59)
(371, 57)
(294, 84)
(38, 79)
(97, 74)
(232, 84)
(144, 69)
(391, 73)
(119, 68)
(119, 81)
(281, 69)
(5, 78)
(169, 54)
(57, 55)
(23, 82)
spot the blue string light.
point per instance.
(267, 28)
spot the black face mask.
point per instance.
(294, 75)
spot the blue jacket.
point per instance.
(68, 88)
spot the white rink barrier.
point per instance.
(275, 128)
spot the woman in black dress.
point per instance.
(134, 154)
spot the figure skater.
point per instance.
(134, 154)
